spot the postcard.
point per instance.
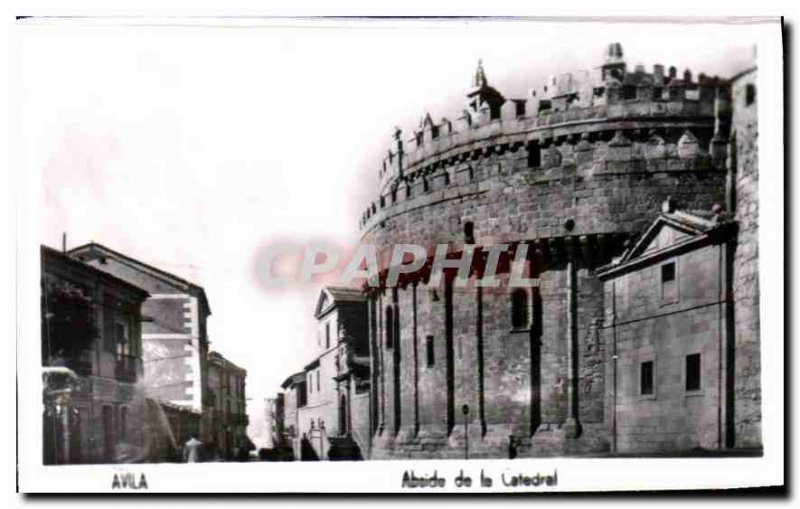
(385, 255)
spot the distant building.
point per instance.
(92, 358)
(333, 400)
(670, 335)
(174, 337)
(295, 397)
(229, 420)
(274, 415)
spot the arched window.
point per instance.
(388, 324)
(469, 232)
(520, 315)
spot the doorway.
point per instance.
(343, 427)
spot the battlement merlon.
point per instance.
(608, 91)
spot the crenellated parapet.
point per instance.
(607, 119)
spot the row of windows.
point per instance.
(692, 382)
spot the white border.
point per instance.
(573, 474)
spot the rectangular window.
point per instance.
(317, 380)
(669, 283)
(328, 335)
(121, 339)
(693, 372)
(534, 155)
(646, 378)
(429, 351)
(750, 94)
(310, 382)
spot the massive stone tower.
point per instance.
(743, 199)
(573, 171)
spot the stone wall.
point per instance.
(648, 328)
(359, 406)
(744, 144)
(610, 184)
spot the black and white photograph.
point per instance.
(451, 255)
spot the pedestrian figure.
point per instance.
(192, 449)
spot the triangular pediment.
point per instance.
(323, 302)
(331, 296)
(667, 230)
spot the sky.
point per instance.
(193, 145)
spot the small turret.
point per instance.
(483, 95)
(614, 66)
(480, 77)
(614, 53)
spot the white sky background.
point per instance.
(189, 147)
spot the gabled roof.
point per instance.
(696, 229)
(218, 358)
(48, 251)
(330, 296)
(688, 223)
(293, 379)
(94, 250)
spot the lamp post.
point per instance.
(465, 411)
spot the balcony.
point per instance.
(126, 368)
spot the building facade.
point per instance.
(670, 333)
(229, 421)
(575, 172)
(275, 421)
(94, 410)
(295, 397)
(330, 397)
(174, 337)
